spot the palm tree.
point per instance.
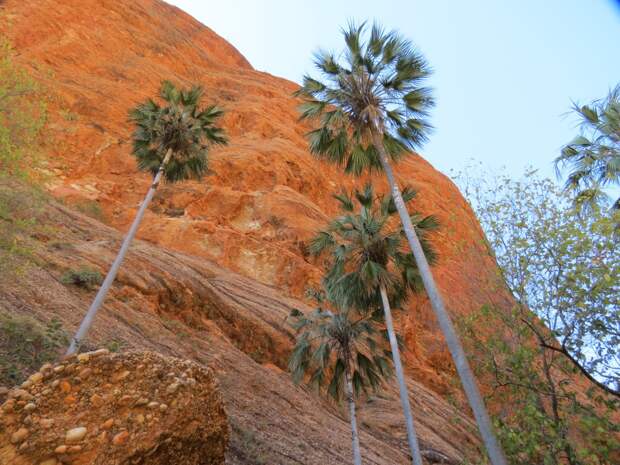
(340, 353)
(170, 141)
(369, 269)
(372, 108)
(593, 157)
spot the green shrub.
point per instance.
(25, 344)
(91, 208)
(22, 117)
(115, 345)
(82, 277)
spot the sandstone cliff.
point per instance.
(188, 307)
(253, 214)
(266, 194)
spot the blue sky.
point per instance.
(505, 71)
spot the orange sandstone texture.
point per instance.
(139, 407)
(266, 195)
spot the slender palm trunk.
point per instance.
(109, 279)
(414, 446)
(357, 455)
(468, 381)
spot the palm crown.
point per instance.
(366, 249)
(594, 156)
(180, 126)
(331, 344)
(375, 85)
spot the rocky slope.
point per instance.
(102, 409)
(254, 213)
(188, 307)
(266, 195)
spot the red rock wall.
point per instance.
(266, 194)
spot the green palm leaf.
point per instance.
(180, 126)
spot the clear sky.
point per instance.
(505, 71)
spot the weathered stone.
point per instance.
(29, 407)
(99, 352)
(21, 394)
(62, 449)
(8, 405)
(19, 435)
(45, 367)
(75, 435)
(98, 426)
(120, 376)
(46, 422)
(85, 373)
(108, 424)
(83, 358)
(171, 389)
(120, 438)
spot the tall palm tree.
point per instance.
(342, 354)
(170, 141)
(372, 107)
(593, 157)
(369, 268)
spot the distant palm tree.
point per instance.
(593, 157)
(170, 141)
(369, 268)
(372, 107)
(342, 354)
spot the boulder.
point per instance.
(121, 412)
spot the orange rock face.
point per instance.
(266, 195)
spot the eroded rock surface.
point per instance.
(112, 409)
(266, 195)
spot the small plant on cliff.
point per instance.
(370, 269)
(25, 344)
(22, 118)
(340, 353)
(82, 277)
(372, 107)
(170, 141)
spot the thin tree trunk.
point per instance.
(468, 381)
(357, 455)
(414, 446)
(109, 279)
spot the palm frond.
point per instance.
(379, 81)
